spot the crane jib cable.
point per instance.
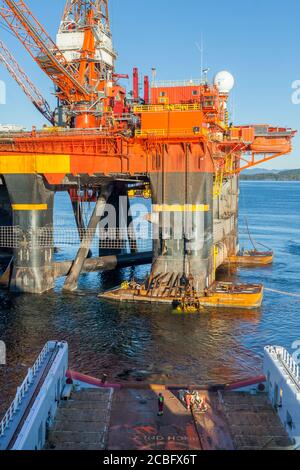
(35, 35)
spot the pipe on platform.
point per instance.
(146, 89)
(104, 263)
(135, 84)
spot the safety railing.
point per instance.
(10, 237)
(61, 236)
(22, 390)
(170, 132)
(175, 83)
(57, 131)
(287, 361)
(154, 108)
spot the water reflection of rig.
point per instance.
(175, 144)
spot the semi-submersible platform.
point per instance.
(176, 143)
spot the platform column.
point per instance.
(183, 223)
(5, 221)
(118, 215)
(32, 207)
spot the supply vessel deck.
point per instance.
(56, 408)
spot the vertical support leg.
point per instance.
(183, 203)
(6, 220)
(72, 279)
(32, 205)
(6, 241)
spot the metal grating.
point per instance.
(49, 237)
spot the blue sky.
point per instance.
(258, 41)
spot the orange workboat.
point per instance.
(226, 294)
(220, 294)
(251, 258)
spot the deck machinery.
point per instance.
(176, 140)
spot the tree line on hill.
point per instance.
(285, 175)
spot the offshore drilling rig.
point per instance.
(101, 143)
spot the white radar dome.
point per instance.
(224, 81)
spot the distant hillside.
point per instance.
(256, 171)
(285, 175)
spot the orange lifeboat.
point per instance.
(271, 145)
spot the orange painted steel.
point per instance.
(184, 129)
(43, 50)
(91, 152)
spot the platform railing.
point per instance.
(50, 237)
(10, 236)
(170, 132)
(175, 83)
(22, 390)
(167, 107)
(57, 131)
(285, 358)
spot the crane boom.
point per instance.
(44, 50)
(26, 84)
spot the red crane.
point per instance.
(83, 71)
(26, 84)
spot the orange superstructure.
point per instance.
(177, 139)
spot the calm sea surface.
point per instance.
(152, 343)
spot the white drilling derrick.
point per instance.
(70, 37)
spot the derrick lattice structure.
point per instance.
(25, 83)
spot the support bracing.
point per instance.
(77, 210)
(72, 279)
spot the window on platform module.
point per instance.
(162, 93)
(195, 92)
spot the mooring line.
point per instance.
(290, 294)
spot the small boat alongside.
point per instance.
(220, 294)
(229, 295)
(251, 258)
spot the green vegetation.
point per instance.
(285, 175)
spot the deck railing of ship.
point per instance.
(287, 361)
(22, 390)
